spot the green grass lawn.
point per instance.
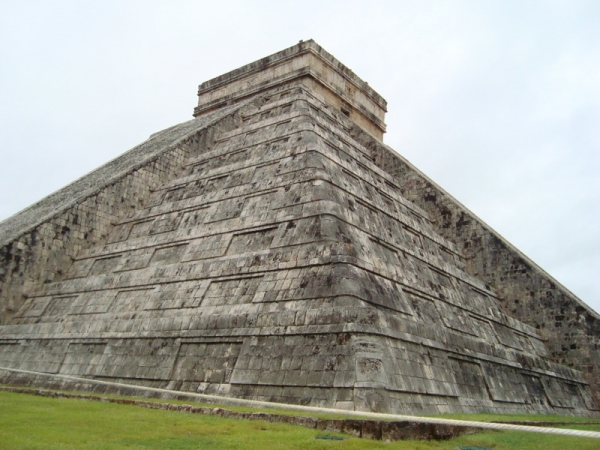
(32, 422)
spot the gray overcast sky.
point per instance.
(497, 101)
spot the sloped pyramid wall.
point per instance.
(284, 265)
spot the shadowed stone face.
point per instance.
(277, 261)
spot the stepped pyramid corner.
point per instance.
(274, 248)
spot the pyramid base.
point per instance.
(359, 396)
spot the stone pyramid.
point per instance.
(267, 250)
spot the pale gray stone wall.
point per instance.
(569, 327)
(38, 244)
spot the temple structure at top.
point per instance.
(310, 65)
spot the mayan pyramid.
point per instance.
(274, 248)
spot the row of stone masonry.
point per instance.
(157, 226)
(39, 244)
(103, 265)
(324, 375)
